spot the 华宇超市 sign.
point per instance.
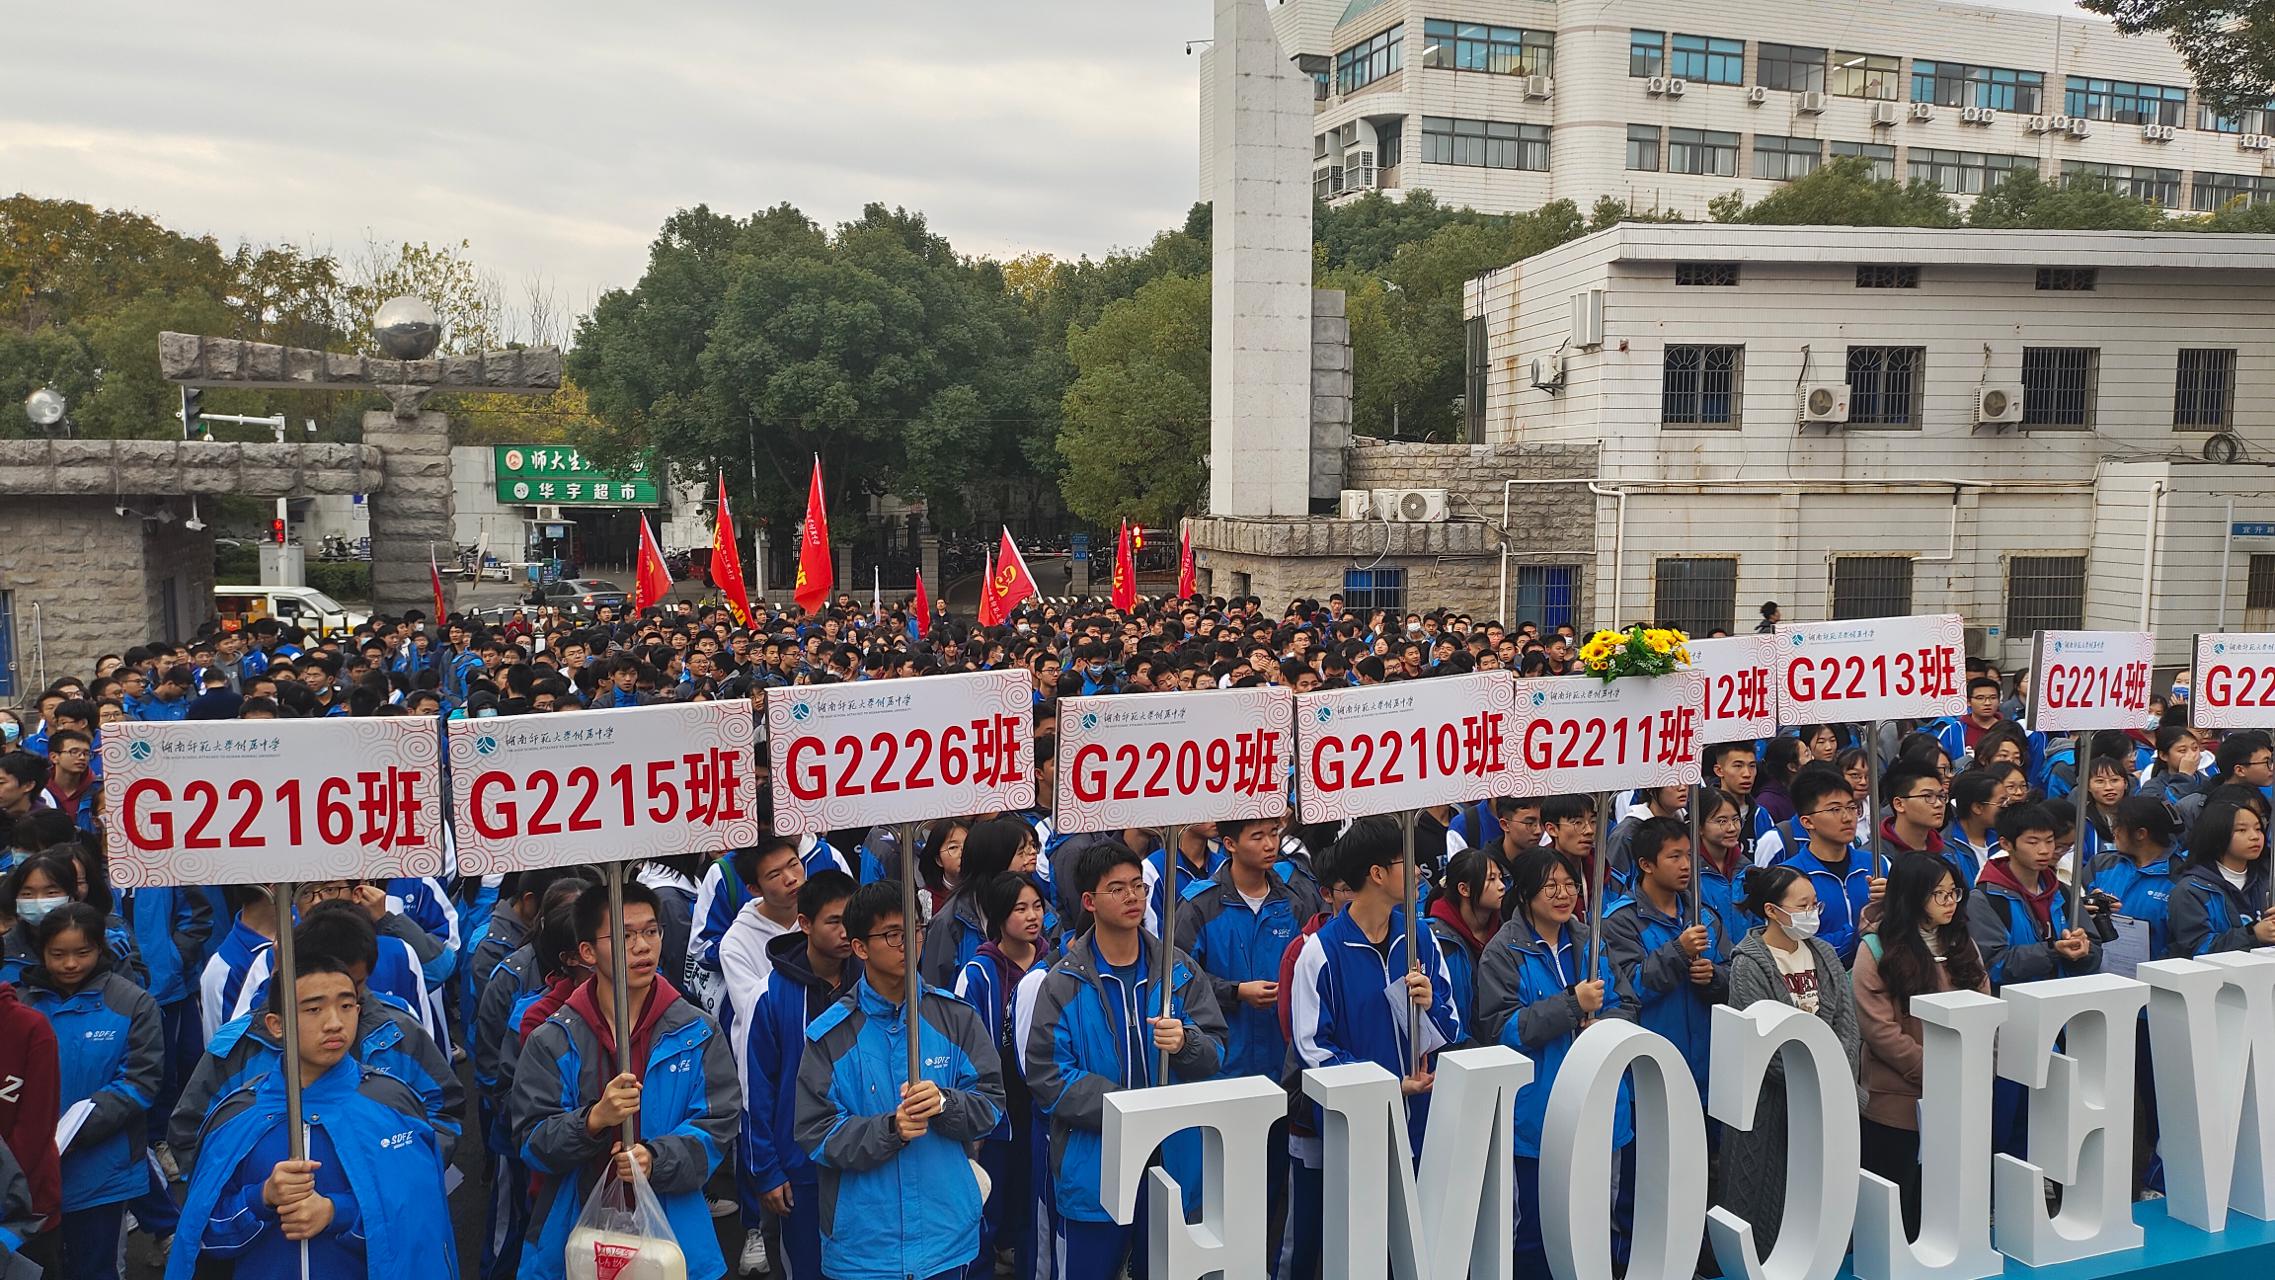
(558, 475)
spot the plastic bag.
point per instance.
(623, 1234)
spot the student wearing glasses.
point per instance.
(1839, 869)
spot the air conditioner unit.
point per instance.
(1757, 95)
(1548, 372)
(2057, 124)
(1539, 87)
(1923, 111)
(1358, 504)
(2256, 142)
(1811, 103)
(1824, 402)
(1676, 85)
(2080, 127)
(1883, 115)
(1977, 115)
(1412, 506)
(1587, 318)
(1655, 86)
(1358, 171)
(2037, 124)
(1999, 402)
(547, 515)
(2159, 132)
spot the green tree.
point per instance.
(1842, 194)
(2229, 44)
(1136, 426)
(2027, 200)
(466, 298)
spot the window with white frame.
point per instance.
(1784, 159)
(1707, 152)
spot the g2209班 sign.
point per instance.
(1387, 747)
(1870, 669)
(1154, 759)
(885, 751)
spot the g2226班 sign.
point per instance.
(887, 751)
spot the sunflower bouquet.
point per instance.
(1637, 651)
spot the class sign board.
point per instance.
(1578, 733)
(1390, 747)
(1870, 669)
(261, 801)
(603, 786)
(1149, 760)
(1738, 700)
(2086, 680)
(2231, 683)
(878, 752)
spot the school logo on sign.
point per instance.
(1089, 719)
(800, 712)
(486, 745)
(1540, 697)
(1322, 715)
(1799, 639)
(138, 750)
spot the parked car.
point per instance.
(586, 594)
(304, 607)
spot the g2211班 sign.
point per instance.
(1154, 759)
(2231, 682)
(887, 751)
(1576, 733)
(2085, 680)
(1870, 669)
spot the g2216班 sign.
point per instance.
(1575, 733)
(1154, 759)
(2231, 682)
(603, 786)
(255, 801)
(1870, 669)
(2084, 680)
(885, 751)
(1387, 747)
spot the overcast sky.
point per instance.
(556, 137)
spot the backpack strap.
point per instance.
(1872, 944)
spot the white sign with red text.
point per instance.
(2085, 680)
(1870, 669)
(1148, 760)
(1578, 733)
(2231, 683)
(259, 801)
(603, 786)
(1388, 747)
(884, 751)
(1739, 700)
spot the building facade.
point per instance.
(1503, 105)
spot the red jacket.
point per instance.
(30, 1081)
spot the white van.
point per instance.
(304, 607)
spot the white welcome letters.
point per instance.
(2071, 1041)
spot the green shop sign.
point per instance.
(558, 475)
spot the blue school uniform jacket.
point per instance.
(792, 996)
(2144, 893)
(1653, 974)
(111, 1052)
(2015, 947)
(1234, 944)
(1338, 1009)
(1842, 891)
(1525, 1001)
(379, 1164)
(170, 927)
(890, 1209)
(2208, 914)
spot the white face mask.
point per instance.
(1801, 924)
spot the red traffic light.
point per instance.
(276, 531)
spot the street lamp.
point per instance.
(45, 408)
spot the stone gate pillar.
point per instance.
(416, 514)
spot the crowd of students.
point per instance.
(768, 986)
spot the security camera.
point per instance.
(119, 511)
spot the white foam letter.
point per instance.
(2081, 1114)
(1235, 1118)
(2212, 1027)
(1958, 1032)
(1821, 1138)
(1670, 1156)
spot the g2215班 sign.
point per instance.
(2231, 683)
(1870, 669)
(1154, 759)
(885, 751)
(1387, 747)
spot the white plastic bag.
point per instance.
(623, 1234)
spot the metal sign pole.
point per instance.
(1406, 820)
(620, 990)
(911, 984)
(2081, 876)
(287, 979)
(1697, 856)
(1596, 885)
(1877, 842)
(1172, 852)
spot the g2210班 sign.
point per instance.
(2085, 680)
(603, 786)
(2231, 683)
(1870, 669)
(1155, 759)
(1387, 747)
(1576, 733)
(885, 751)
(255, 801)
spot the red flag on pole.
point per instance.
(1125, 573)
(727, 561)
(1012, 581)
(815, 573)
(921, 611)
(1188, 584)
(651, 577)
(441, 601)
(988, 617)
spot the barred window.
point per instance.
(1476, 377)
(2139, 182)
(1716, 274)
(2204, 390)
(1365, 589)
(2212, 191)
(1871, 587)
(1371, 59)
(2059, 385)
(1790, 67)
(1702, 151)
(1965, 173)
(1646, 53)
(1643, 147)
(2124, 101)
(2044, 593)
(1875, 275)
(1783, 159)
(1708, 59)
(1697, 596)
(1953, 84)
(1884, 386)
(1484, 144)
(1699, 386)
(2259, 584)
(1878, 156)
(1548, 594)
(2068, 279)
(1474, 46)
(1866, 75)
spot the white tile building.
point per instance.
(2030, 428)
(1505, 104)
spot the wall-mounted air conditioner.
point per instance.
(1824, 403)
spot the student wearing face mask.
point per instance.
(40, 884)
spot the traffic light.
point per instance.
(1137, 538)
(276, 530)
(192, 425)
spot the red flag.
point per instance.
(987, 615)
(1188, 581)
(651, 577)
(727, 561)
(441, 601)
(815, 573)
(921, 610)
(1125, 573)
(1011, 580)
